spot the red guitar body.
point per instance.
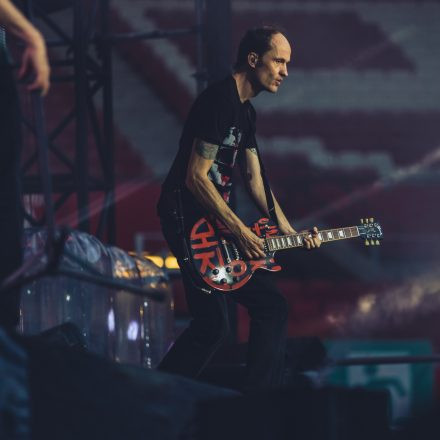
(219, 261)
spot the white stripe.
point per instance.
(133, 12)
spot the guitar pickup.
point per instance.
(226, 251)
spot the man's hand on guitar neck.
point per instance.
(311, 240)
(253, 246)
(285, 228)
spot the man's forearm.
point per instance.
(256, 189)
(284, 224)
(16, 23)
(206, 193)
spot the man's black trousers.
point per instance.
(209, 327)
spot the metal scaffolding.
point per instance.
(87, 66)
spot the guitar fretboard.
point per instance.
(279, 242)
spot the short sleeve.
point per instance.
(213, 117)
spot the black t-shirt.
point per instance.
(218, 117)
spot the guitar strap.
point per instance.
(187, 263)
(268, 192)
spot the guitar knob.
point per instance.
(223, 281)
(371, 220)
(367, 243)
(215, 272)
(377, 242)
(237, 268)
(236, 279)
(229, 269)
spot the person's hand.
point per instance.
(311, 238)
(286, 229)
(34, 62)
(250, 244)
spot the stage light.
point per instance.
(156, 259)
(111, 321)
(132, 331)
(171, 262)
(366, 303)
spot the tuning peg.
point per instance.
(362, 220)
(371, 220)
(377, 242)
(372, 242)
(367, 243)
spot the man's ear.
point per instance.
(252, 59)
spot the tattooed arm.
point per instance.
(197, 181)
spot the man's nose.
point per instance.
(283, 71)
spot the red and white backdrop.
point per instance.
(353, 132)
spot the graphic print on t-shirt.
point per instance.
(221, 170)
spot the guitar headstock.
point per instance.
(371, 231)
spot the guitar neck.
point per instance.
(280, 242)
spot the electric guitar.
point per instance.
(222, 265)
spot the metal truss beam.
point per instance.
(87, 66)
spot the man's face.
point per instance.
(271, 68)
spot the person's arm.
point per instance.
(198, 182)
(255, 185)
(34, 58)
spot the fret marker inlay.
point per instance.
(279, 242)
